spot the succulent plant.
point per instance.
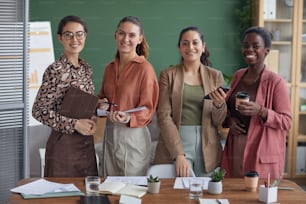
(152, 179)
(218, 175)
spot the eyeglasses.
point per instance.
(70, 35)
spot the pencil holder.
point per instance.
(267, 195)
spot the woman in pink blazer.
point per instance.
(257, 136)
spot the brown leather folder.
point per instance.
(78, 104)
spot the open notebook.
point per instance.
(120, 188)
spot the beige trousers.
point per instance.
(126, 151)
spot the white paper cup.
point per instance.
(241, 96)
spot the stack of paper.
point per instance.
(44, 189)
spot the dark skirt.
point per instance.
(70, 155)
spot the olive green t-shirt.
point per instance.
(192, 105)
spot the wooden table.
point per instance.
(233, 190)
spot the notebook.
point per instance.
(78, 104)
(120, 188)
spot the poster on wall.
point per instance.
(41, 55)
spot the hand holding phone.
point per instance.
(225, 89)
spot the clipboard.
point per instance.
(78, 104)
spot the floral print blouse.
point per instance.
(57, 78)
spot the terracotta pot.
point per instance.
(214, 187)
(153, 187)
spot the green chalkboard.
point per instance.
(162, 21)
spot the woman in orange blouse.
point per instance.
(129, 82)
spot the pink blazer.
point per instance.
(266, 143)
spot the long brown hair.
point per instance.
(143, 47)
(204, 57)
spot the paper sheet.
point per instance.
(129, 200)
(101, 112)
(183, 182)
(136, 180)
(213, 201)
(42, 186)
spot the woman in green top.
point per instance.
(188, 123)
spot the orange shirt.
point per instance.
(136, 86)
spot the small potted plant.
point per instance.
(153, 184)
(215, 184)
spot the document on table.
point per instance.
(213, 201)
(42, 188)
(101, 112)
(136, 180)
(124, 199)
(183, 182)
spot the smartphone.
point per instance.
(94, 199)
(224, 88)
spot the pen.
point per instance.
(285, 188)
(268, 180)
(110, 103)
(266, 184)
(219, 201)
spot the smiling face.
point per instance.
(75, 44)
(127, 38)
(254, 50)
(191, 46)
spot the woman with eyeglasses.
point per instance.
(70, 148)
(258, 127)
(130, 82)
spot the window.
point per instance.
(13, 66)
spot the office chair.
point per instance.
(165, 171)
(42, 152)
